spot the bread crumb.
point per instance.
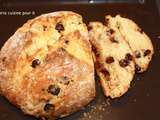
(134, 100)
(96, 111)
(148, 95)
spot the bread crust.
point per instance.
(65, 60)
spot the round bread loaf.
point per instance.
(46, 67)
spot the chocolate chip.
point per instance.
(105, 73)
(49, 107)
(112, 39)
(137, 68)
(66, 41)
(137, 54)
(89, 28)
(59, 27)
(53, 89)
(128, 56)
(147, 52)
(3, 59)
(35, 63)
(123, 63)
(109, 60)
(110, 32)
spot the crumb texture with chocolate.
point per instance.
(121, 48)
(137, 39)
(113, 60)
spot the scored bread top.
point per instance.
(46, 67)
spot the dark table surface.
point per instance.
(141, 102)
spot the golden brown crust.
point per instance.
(41, 54)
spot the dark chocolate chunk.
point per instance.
(66, 41)
(35, 63)
(110, 32)
(53, 89)
(137, 54)
(59, 27)
(147, 52)
(112, 39)
(109, 60)
(89, 28)
(3, 59)
(105, 73)
(137, 68)
(128, 56)
(123, 63)
(49, 107)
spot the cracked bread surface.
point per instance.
(139, 42)
(46, 67)
(113, 59)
